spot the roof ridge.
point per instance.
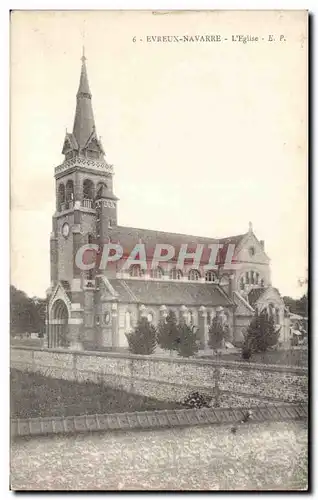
(181, 234)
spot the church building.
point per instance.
(96, 308)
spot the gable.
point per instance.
(69, 144)
(107, 292)
(60, 293)
(270, 295)
(250, 250)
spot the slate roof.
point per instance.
(255, 294)
(128, 237)
(170, 293)
(84, 123)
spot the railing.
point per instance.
(87, 203)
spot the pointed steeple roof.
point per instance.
(84, 123)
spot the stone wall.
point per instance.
(230, 383)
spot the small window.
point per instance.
(127, 321)
(97, 320)
(107, 318)
(156, 273)
(175, 274)
(210, 276)
(208, 318)
(194, 275)
(252, 251)
(135, 271)
(190, 318)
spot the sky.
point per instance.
(204, 137)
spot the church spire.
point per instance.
(84, 124)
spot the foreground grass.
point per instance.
(265, 456)
(34, 395)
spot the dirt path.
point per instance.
(265, 456)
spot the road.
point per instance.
(258, 456)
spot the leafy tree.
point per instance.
(26, 314)
(297, 306)
(143, 340)
(168, 333)
(218, 332)
(187, 341)
(261, 334)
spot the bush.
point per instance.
(246, 352)
(218, 332)
(143, 340)
(197, 400)
(187, 341)
(261, 333)
(168, 333)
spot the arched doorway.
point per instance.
(58, 333)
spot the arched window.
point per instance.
(252, 277)
(88, 193)
(277, 316)
(135, 271)
(190, 318)
(69, 192)
(100, 188)
(156, 273)
(97, 320)
(61, 197)
(242, 283)
(175, 274)
(247, 278)
(208, 318)
(194, 275)
(256, 278)
(107, 318)
(210, 276)
(127, 321)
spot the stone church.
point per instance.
(95, 308)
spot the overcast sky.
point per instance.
(204, 137)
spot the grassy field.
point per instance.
(33, 396)
(291, 357)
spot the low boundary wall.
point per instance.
(230, 383)
(153, 420)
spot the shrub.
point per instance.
(187, 341)
(246, 352)
(197, 400)
(261, 333)
(168, 333)
(218, 332)
(143, 340)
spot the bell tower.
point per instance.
(84, 194)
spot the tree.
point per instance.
(260, 335)
(297, 306)
(168, 333)
(218, 332)
(187, 341)
(39, 315)
(143, 340)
